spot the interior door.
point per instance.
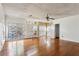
(57, 31)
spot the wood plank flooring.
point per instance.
(40, 47)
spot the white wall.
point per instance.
(28, 29)
(69, 28)
(1, 14)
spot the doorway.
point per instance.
(57, 30)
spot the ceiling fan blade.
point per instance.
(52, 18)
(34, 17)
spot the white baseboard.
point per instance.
(67, 39)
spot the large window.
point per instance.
(15, 31)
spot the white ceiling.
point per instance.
(55, 10)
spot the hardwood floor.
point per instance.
(40, 47)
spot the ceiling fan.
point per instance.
(47, 17)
